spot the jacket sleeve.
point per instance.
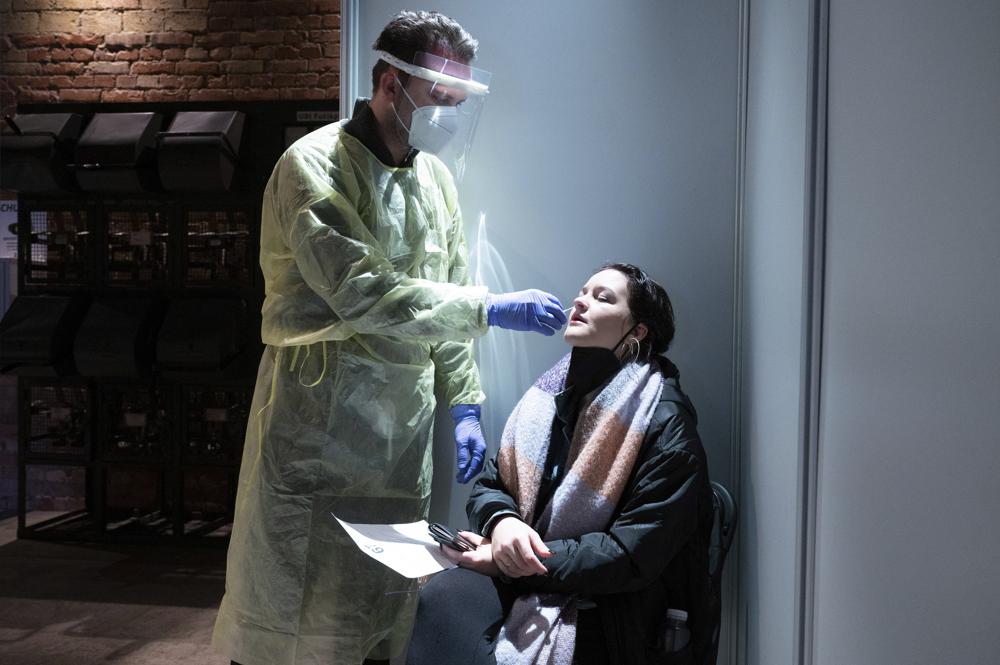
(339, 259)
(658, 517)
(455, 370)
(489, 496)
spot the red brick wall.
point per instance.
(168, 50)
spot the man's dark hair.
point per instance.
(409, 33)
(649, 304)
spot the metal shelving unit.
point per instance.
(153, 454)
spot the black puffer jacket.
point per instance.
(654, 554)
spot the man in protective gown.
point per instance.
(367, 308)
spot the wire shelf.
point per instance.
(59, 249)
(59, 421)
(219, 250)
(135, 423)
(215, 423)
(138, 248)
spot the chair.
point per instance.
(724, 518)
(723, 528)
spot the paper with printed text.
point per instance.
(406, 548)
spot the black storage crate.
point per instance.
(200, 150)
(117, 337)
(37, 333)
(116, 153)
(202, 336)
(36, 154)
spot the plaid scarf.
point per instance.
(541, 627)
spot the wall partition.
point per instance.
(869, 321)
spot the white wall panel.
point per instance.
(772, 231)
(907, 563)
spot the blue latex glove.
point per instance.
(470, 446)
(532, 310)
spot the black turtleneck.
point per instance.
(364, 127)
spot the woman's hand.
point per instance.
(516, 548)
(480, 560)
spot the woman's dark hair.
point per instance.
(650, 305)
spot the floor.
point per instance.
(83, 604)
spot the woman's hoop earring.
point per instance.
(633, 349)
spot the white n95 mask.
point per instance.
(431, 127)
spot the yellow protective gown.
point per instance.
(367, 307)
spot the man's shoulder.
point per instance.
(313, 156)
(320, 142)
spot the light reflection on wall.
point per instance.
(503, 365)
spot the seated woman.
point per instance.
(594, 517)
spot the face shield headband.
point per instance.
(477, 82)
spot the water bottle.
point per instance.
(676, 633)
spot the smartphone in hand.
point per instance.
(449, 538)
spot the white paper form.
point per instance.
(406, 548)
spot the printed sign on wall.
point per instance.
(8, 222)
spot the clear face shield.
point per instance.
(447, 97)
